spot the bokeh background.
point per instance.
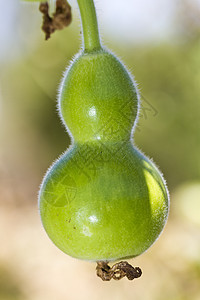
(159, 41)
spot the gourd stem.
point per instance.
(89, 25)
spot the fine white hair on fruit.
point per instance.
(65, 73)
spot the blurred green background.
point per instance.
(161, 47)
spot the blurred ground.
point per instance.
(31, 137)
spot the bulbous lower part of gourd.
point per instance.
(103, 201)
(98, 93)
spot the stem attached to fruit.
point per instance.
(89, 25)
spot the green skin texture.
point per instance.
(102, 200)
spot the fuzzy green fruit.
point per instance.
(103, 199)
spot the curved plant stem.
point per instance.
(89, 25)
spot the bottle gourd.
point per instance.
(102, 200)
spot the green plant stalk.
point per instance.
(89, 25)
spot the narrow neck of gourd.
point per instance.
(89, 25)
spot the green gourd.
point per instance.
(102, 200)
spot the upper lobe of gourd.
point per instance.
(98, 98)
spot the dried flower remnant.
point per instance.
(61, 18)
(117, 271)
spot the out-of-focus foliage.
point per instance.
(9, 286)
(169, 76)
